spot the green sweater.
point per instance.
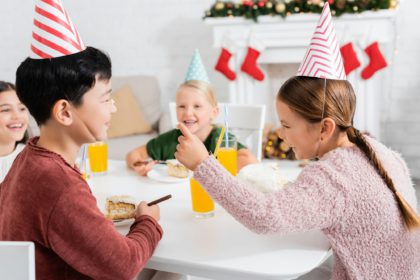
(163, 147)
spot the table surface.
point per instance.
(217, 247)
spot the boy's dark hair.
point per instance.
(40, 83)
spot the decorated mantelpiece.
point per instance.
(250, 48)
(252, 9)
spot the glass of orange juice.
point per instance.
(202, 204)
(98, 157)
(228, 154)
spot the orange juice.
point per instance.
(202, 204)
(98, 157)
(228, 158)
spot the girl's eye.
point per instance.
(5, 110)
(23, 109)
(181, 106)
(197, 106)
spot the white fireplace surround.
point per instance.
(286, 41)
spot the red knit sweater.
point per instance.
(43, 199)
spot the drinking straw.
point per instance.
(159, 200)
(83, 162)
(219, 141)
(227, 127)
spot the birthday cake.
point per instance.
(176, 169)
(120, 207)
(264, 177)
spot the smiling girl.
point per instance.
(13, 124)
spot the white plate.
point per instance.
(125, 222)
(159, 172)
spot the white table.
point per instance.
(218, 247)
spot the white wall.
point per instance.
(402, 124)
(157, 37)
(153, 37)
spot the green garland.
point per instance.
(251, 9)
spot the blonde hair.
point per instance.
(315, 99)
(202, 87)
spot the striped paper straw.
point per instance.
(226, 126)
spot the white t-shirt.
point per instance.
(7, 161)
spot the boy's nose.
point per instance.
(113, 106)
(189, 110)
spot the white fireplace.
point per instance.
(286, 41)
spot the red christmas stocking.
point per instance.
(222, 64)
(250, 66)
(350, 60)
(377, 61)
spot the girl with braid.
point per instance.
(359, 192)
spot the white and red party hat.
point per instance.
(323, 58)
(53, 34)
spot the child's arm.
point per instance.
(245, 157)
(78, 232)
(138, 160)
(311, 202)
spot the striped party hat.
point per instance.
(323, 58)
(196, 70)
(53, 34)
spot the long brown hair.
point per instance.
(315, 99)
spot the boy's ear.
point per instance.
(61, 112)
(216, 112)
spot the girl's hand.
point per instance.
(152, 211)
(190, 151)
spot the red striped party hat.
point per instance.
(323, 58)
(53, 34)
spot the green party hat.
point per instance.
(196, 70)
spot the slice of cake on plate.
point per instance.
(176, 169)
(120, 207)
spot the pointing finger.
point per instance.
(184, 130)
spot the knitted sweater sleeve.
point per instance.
(313, 201)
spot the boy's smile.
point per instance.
(194, 110)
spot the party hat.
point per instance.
(323, 58)
(53, 34)
(196, 70)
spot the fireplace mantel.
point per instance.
(286, 41)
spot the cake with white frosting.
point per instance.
(264, 177)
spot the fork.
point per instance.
(140, 162)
